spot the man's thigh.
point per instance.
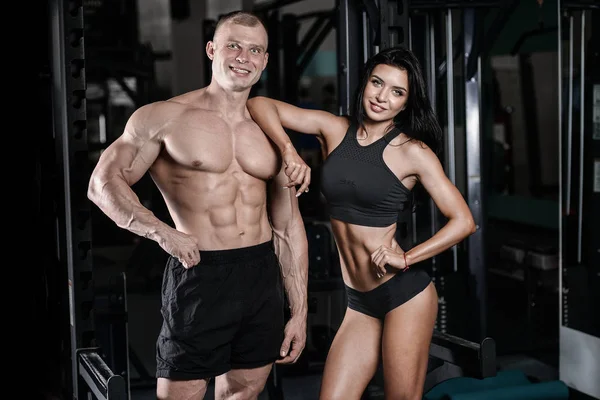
(167, 389)
(242, 384)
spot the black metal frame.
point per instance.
(100, 380)
(350, 37)
(451, 357)
(73, 211)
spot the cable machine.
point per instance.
(579, 194)
(88, 372)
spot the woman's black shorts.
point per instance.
(389, 295)
(224, 313)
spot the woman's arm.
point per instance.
(447, 198)
(273, 116)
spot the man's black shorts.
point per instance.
(224, 313)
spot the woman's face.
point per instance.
(386, 93)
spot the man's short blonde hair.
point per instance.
(243, 18)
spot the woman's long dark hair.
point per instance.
(417, 120)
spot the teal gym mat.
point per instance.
(506, 385)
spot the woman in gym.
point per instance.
(373, 160)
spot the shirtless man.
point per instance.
(236, 222)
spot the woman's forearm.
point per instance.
(455, 231)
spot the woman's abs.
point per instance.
(355, 245)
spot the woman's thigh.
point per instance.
(353, 357)
(405, 345)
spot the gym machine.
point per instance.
(579, 194)
(88, 373)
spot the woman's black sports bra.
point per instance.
(359, 187)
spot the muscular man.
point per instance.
(236, 222)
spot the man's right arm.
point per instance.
(120, 166)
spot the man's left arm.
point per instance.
(291, 247)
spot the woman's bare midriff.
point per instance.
(355, 245)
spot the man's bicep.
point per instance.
(129, 157)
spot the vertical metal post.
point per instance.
(560, 164)
(289, 38)
(274, 66)
(450, 143)
(348, 40)
(384, 31)
(581, 138)
(570, 117)
(475, 242)
(450, 161)
(73, 220)
(431, 75)
(398, 23)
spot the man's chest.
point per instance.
(213, 145)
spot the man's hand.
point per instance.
(181, 246)
(294, 340)
(296, 169)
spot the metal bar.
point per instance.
(475, 241)
(560, 165)
(274, 68)
(313, 14)
(290, 72)
(271, 5)
(366, 41)
(312, 31)
(437, 4)
(72, 211)
(432, 88)
(570, 118)
(450, 145)
(414, 214)
(531, 124)
(343, 38)
(450, 161)
(310, 52)
(410, 44)
(348, 39)
(98, 376)
(477, 359)
(581, 138)
(384, 36)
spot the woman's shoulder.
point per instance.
(337, 125)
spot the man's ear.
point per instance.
(210, 50)
(266, 61)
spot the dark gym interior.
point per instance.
(516, 87)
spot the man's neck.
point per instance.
(226, 101)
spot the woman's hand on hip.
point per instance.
(384, 256)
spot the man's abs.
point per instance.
(223, 211)
(213, 178)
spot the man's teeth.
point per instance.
(241, 71)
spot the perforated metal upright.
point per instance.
(73, 224)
